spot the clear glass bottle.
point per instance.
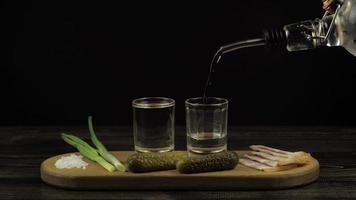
(336, 28)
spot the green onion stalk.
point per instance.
(87, 151)
(102, 150)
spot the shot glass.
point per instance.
(206, 121)
(153, 124)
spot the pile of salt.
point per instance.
(71, 161)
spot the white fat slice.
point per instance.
(257, 147)
(262, 160)
(268, 151)
(253, 164)
(262, 167)
(267, 156)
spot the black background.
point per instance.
(65, 60)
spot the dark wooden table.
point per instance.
(22, 149)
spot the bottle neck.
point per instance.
(302, 35)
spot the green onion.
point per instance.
(87, 151)
(102, 150)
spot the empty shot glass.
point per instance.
(206, 123)
(153, 124)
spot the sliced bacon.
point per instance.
(253, 164)
(258, 147)
(259, 166)
(262, 160)
(267, 156)
(268, 151)
(270, 159)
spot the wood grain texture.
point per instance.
(22, 149)
(95, 177)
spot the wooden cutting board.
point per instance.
(96, 177)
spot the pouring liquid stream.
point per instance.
(226, 49)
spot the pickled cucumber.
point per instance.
(146, 162)
(212, 162)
